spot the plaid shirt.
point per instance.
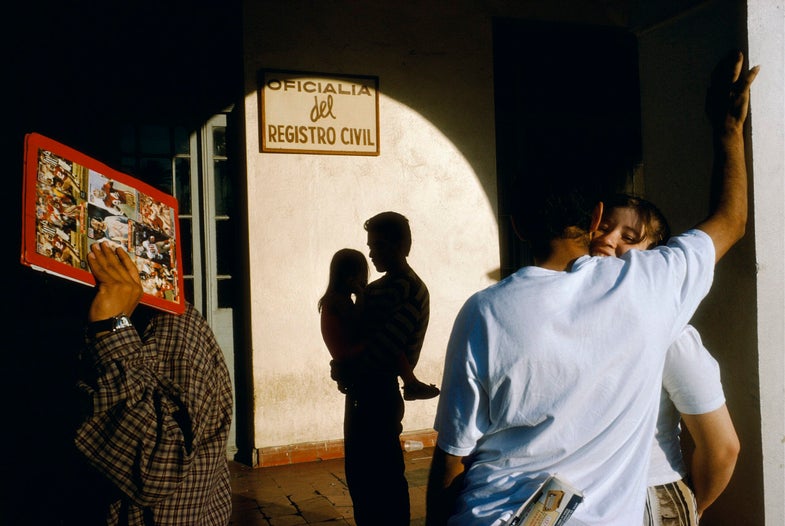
(158, 426)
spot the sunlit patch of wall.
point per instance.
(306, 207)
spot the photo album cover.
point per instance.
(71, 201)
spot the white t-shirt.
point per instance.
(560, 372)
(690, 385)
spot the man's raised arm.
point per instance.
(727, 104)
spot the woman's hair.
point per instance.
(655, 227)
(345, 264)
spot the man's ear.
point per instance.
(596, 217)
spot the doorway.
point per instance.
(196, 166)
(567, 109)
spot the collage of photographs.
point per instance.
(76, 206)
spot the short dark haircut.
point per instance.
(393, 227)
(550, 212)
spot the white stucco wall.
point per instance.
(766, 28)
(302, 208)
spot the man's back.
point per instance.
(558, 372)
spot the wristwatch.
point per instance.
(113, 324)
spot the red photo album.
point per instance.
(71, 201)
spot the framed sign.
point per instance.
(319, 113)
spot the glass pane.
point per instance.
(187, 246)
(156, 172)
(219, 141)
(128, 139)
(182, 143)
(223, 189)
(154, 140)
(225, 293)
(128, 164)
(188, 285)
(224, 241)
(182, 184)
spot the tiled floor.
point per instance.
(312, 492)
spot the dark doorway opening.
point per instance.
(567, 111)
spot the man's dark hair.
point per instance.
(551, 211)
(393, 227)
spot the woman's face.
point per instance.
(357, 281)
(620, 231)
(354, 275)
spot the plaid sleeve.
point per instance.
(137, 434)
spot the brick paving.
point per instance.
(312, 492)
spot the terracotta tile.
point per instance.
(314, 492)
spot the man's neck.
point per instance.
(400, 267)
(563, 253)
